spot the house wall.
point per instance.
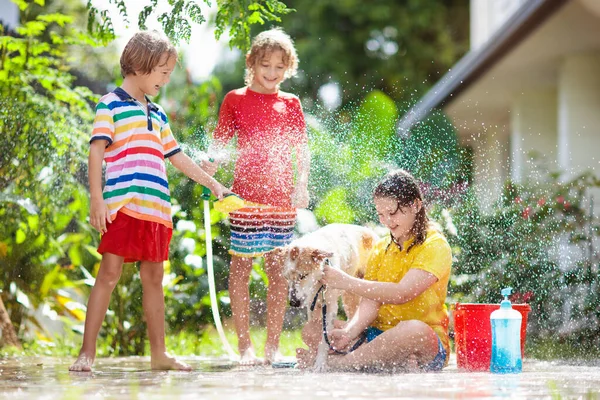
(579, 116)
(487, 16)
(491, 164)
(533, 136)
(579, 113)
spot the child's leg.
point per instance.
(108, 276)
(153, 302)
(239, 273)
(277, 293)
(407, 345)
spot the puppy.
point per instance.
(344, 246)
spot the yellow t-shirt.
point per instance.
(388, 264)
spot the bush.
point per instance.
(539, 240)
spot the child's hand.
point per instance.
(210, 167)
(99, 214)
(219, 190)
(339, 339)
(334, 278)
(300, 197)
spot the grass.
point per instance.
(208, 342)
(550, 349)
(205, 343)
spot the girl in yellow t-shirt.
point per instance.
(402, 311)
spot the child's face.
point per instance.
(151, 83)
(268, 72)
(399, 220)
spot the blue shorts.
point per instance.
(436, 365)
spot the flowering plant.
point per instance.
(539, 239)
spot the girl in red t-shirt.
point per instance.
(270, 130)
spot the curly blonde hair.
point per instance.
(143, 52)
(264, 44)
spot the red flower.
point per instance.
(519, 298)
(560, 199)
(541, 202)
(518, 200)
(526, 212)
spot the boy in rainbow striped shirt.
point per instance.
(133, 213)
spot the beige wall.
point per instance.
(579, 113)
(533, 131)
(491, 164)
(487, 16)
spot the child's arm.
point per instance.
(365, 314)
(186, 165)
(99, 212)
(415, 282)
(209, 166)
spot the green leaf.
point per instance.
(22, 4)
(58, 18)
(20, 236)
(75, 255)
(93, 251)
(32, 28)
(33, 222)
(49, 280)
(335, 208)
(255, 18)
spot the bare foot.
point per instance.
(305, 357)
(412, 365)
(272, 355)
(165, 362)
(249, 359)
(339, 324)
(83, 363)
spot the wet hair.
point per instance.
(402, 187)
(266, 43)
(143, 52)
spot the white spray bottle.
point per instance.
(506, 338)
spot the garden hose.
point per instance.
(211, 274)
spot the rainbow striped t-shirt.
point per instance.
(139, 140)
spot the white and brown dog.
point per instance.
(343, 246)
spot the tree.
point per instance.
(399, 47)
(234, 16)
(9, 337)
(45, 241)
(44, 121)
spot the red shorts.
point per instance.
(136, 239)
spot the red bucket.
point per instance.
(473, 334)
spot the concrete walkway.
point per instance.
(129, 378)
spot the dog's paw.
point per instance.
(320, 367)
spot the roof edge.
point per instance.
(475, 63)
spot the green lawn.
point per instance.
(205, 343)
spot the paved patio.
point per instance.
(129, 378)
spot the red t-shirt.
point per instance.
(268, 128)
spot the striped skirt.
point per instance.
(259, 229)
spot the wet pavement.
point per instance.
(130, 378)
